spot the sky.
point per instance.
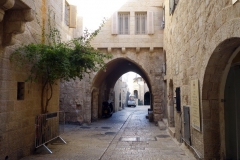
(94, 11)
(128, 77)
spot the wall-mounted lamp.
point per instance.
(174, 100)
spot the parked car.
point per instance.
(131, 101)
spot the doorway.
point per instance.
(232, 113)
(147, 98)
(171, 104)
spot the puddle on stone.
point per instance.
(97, 135)
(110, 133)
(129, 139)
(142, 139)
(85, 127)
(137, 139)
(162, 136)
(106, 127)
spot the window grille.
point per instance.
(67, 8)
(123, 22)
(141, 23)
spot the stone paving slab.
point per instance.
(127, 135)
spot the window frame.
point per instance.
(140, 21)
(123, 27)
(67, 13)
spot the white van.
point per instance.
(131, 101)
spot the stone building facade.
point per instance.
(134, 37)
(120, 94)
(202, 43)
(22, 22)
(140, 90)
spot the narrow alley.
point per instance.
(125, 135)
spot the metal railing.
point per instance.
(49, 127)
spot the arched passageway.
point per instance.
(147, 98)
(219, 102)
(105, 80)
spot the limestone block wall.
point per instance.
(17, 117)
(117, 95)
(191, 35)
(141, 87)
(120, 92)
(75, 99)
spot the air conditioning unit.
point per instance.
(162, 24)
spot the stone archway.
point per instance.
(100, 86)
(104, 81)
(213, 98)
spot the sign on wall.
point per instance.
(195, 106)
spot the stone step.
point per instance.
(165, 121)
(162, 125)
(171, 130)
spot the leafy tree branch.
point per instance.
(56, 60)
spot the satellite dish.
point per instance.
(171, 6)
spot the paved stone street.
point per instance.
(126, 135)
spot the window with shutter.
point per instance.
(123, 23)
(140, 23)
(70, 17)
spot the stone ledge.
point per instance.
(124, 49)
(15, 24)
(171, 131)
(161, 125)
(165, 121)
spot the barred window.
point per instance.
(123, 23)
(67, 8)
(140, 23)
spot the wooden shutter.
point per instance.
(178, 99)
(115, 23)
(150, 23)
(72, 16)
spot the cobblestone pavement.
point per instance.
(127, 135)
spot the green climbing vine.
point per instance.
(56, 60)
